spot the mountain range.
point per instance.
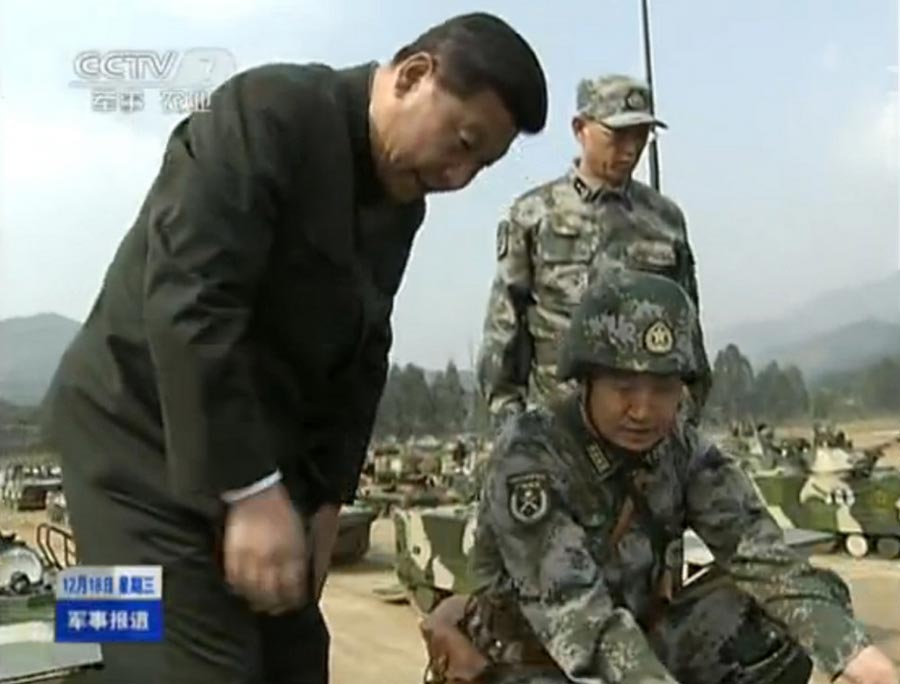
(30, 349)
(836, 331)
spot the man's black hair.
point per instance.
(479, 51)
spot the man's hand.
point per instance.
(870, 666)
(265, 551)
(324, 531)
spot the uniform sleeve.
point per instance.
(561, 590)
(813, 603)
(504, 359)
(701, 388)
(211, 217)
(689, 265)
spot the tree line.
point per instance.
(874, 389)
(416, 402)
(776, 394)
(414, 405)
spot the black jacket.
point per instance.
(244, 323)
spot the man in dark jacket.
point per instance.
(214, 411)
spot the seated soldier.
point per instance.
(581, 517)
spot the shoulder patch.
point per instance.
(529, 497)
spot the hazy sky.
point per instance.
(782, 147)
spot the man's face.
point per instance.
(634, 411)
(434, 141)
(610, 154)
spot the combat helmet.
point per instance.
(632, 321)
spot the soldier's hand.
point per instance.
(870, 666)
(265, 552)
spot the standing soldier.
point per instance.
(555, 235)
(584, 502)
(213, 412)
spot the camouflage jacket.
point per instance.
(552, 495)
(548, 244)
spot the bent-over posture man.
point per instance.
(214, 411)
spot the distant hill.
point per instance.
(836, 331)
(847, 348)
(30, 349)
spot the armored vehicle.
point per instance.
(404, 478)
(25, 488)
(432, 552)
(354, 534)
(830, 486)
(27, 582)
(833, 489)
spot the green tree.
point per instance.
(772, 394)
(449, 402)
(824, 403)
(731, 396)
(417, 402)
(389, 419)
(879, 386)
(479, 416)
(797, 402)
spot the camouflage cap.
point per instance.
(632, 321)
(616, 101)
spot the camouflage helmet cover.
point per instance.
(632, 321)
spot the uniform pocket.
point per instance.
(652, 255)
(565, 244)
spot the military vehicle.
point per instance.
(56, 508)
(25, 487)
(417, 475)
(432, 548)
(840, 492)
(354, 534)
(829, 486)
(27, 582)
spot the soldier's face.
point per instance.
(634, 410)
(434, 141)
(610, 154)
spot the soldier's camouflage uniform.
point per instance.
(550, 242)
(554, 490)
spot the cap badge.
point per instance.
(658, 339)
(636, 100)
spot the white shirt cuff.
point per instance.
(235, 495)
